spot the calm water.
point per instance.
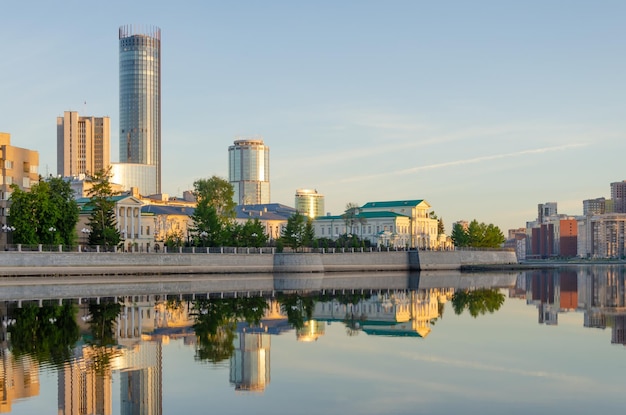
(528, 342)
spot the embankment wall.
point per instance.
(86, 263)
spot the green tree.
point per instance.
(459, 236)
(62, 196)
(298, 232)
(253, 234)
(46, 214)
(214, 211)
(102, 220)
(477, 235)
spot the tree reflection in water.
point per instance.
(477, 302)
(298, 308)
(48, 333)
(216, 322)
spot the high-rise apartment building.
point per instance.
(546, 210)
(17, 166)
(618, 196)
(140, 108)
(83, 144)
(309, 203)
(249, 171)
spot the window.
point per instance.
(8, 164)
(26, 182)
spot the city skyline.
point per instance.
(482, 109)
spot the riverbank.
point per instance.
(104, 263)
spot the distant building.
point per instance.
(618, 195)
(140, 107)
(18, 166)
(249, 171)
(83, 144)
(594, 206)
(546, 210)
(273, 216)
(602, 236)
(135, 175)
(309, 203)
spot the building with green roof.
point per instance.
(401, 223)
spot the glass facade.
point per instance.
(140, 98)
(140, 176)
(249, 171)
(309, 203)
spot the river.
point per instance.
(395, 343)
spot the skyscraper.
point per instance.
(83, 144)
(140, 107)
(309, 203)
(249, 171)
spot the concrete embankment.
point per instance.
(85, 263)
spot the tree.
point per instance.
(298, 232)
(46, 214)
(351, 217)
(253, 234)
(459, 236)
(62, 196)
(214, 211)
(477, 235)
(102, 220)
(440, 228)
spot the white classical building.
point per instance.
(137, 235)
(403, 223)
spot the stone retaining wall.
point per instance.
(76, 263)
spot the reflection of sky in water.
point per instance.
(496, 363)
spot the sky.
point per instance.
(484, 109)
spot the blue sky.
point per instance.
(482, 108)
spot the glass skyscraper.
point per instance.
(140, 102)
(249, 171)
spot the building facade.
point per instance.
(402, 223)
(140, 101)
(83, 144)
(309, 203)
(618, 195)
(249, 171)
(18, 166)
(135, 175)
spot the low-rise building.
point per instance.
(402, 223)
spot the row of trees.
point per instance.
(48, 213)
(214, 221)
(477, 235)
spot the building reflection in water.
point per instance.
(597, 291)
(145, 323)
(19, 378)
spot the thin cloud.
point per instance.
(456, 163)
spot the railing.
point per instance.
(199, 250)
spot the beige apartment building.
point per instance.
(83, 144)
(17, 166)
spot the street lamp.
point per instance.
(253, 236)
(203, 236)
(7, 229)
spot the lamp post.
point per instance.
(6, 229)
(203, 236)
